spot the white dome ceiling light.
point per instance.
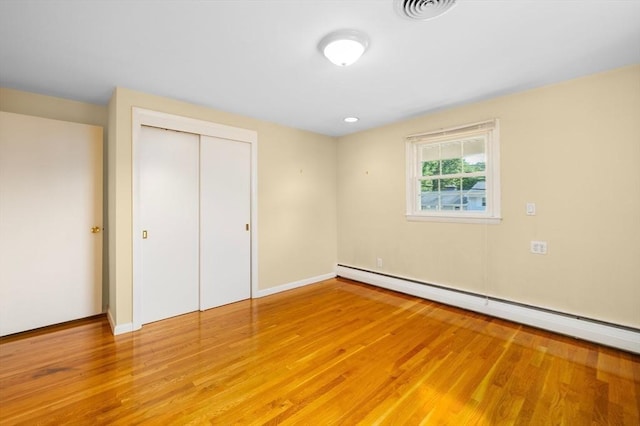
(422, 10)
(344, 47)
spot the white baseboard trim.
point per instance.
(296, 284)
(606, 334)
(118, 329)
(128, 327)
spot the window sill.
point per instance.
(454, 219)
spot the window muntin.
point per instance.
(453, 174)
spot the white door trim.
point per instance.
(144, 117)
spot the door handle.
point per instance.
(144, 235)
(95, 229)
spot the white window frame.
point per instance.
(488, 129)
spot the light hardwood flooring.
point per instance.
(337, 352)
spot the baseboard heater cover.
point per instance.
(607, 334)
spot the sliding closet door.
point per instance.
(168, 190)
(225, 216)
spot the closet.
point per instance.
(193, 215)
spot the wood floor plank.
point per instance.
(337, 352)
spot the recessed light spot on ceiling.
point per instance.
(344, 47)
(351, 119)
(422, 10)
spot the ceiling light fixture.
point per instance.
(351, 119)
(344, 47)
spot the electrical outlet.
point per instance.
(539, 247)
(379, 262)
(531, 209)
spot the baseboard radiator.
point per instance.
(608, 334)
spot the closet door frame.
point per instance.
(144, 117)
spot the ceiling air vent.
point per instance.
(422, 10)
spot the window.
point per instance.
(453, 174)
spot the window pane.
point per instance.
(451, 150)
(431, 168)
(430, 152)
(450, 184)
(474, 155)
(451, 155)
(429, 185)
(430, 194)
(450, 194)
(477, 183)
(451, 166)
(430, 157)
(475, 193)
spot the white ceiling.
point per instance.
(259, 58)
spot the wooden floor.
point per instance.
(337, 352)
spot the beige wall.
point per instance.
(111, 206)
(572, 148)
(296, 196)
(296, 188)
(27, 103)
